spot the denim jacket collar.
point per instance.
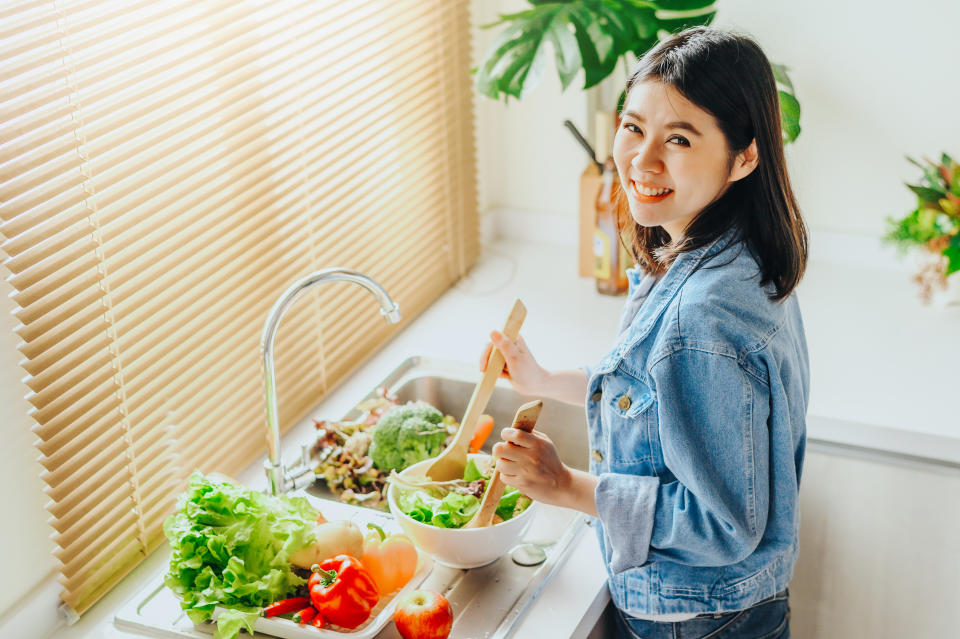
(664, 291)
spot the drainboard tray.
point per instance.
(487, 601)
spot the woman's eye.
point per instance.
(682, 141)
(630, 124)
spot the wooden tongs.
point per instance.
(451, 463)
(525, 420)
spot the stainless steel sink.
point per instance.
(448, 385)
(487, 601)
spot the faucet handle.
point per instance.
(305, 455)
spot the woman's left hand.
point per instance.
(530, 463)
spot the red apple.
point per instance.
(423, 614)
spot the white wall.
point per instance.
(875, 82)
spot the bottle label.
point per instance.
(601, 254)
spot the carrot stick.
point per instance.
(480, 433)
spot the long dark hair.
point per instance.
(728, 76)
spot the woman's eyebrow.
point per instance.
(670, 125)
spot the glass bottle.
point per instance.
(610, 257)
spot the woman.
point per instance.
(696, 416)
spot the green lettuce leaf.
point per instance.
(471, 472)
(231, 547)
(452, 511)
(455, 510)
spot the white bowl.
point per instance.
(459, 547)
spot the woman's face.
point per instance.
(672, 158)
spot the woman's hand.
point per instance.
(530, 463)
(526, 376)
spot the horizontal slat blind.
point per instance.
(166, 171)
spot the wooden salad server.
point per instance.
(525, 419)
(451, 463)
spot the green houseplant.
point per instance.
(594, 35)
(934, 225)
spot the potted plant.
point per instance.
(594, 35)
(934, 228)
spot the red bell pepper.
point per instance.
(342, 591)
(284, 606)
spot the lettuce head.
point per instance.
(231, 547)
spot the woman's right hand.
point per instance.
(526, 376)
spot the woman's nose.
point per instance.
(647, 159)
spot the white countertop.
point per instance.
(882, 375)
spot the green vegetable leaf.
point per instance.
(231, 547)
(508, 503)
(456, 510)
(229, 623)
(471, 472)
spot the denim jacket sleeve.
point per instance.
(712, 419)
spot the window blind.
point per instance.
(168, 169)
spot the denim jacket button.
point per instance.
(624, 402)
(596, 396)
(597, 456)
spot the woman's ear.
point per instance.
(745, 162)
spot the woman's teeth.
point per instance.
(646, 190)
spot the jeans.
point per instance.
(768, 619)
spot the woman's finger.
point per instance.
(504, 345)
(501, 450)
(508, 468)
(485, 356)
(517, 437)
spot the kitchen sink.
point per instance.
(487, 601)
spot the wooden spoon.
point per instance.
(525, 419)
(451, 463)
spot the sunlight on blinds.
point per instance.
(168, 169)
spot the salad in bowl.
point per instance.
(433, 513)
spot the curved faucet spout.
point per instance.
(278, 482)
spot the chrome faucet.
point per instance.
(279, 479)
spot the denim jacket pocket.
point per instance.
(626, 415)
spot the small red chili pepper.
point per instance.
(342, 591)
(318, 621)
(284, 606)
(306, 615)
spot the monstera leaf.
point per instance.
(594, 35)
(584, 34)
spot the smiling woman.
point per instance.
(170, 169)
(699, 150)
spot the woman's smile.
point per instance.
(648, 192)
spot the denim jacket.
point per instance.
(697, 431)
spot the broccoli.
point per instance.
(407, 434)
